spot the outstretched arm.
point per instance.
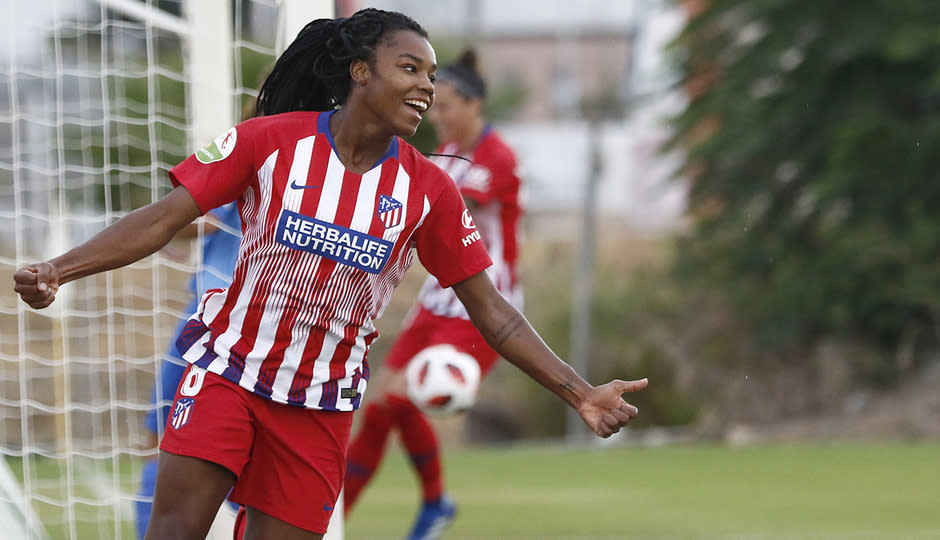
(511, 335)
(133, 237)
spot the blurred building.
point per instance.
(564, 59)
(556, 51)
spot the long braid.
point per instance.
(313, 73)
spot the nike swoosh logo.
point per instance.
(295, 185)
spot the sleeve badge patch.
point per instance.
(220, 148)
(467, 221)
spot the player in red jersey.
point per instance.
(333, 205)
(484, 169)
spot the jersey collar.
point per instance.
(323, 128)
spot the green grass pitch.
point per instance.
(842, 491)
(832, 492)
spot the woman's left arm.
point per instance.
(511, 335)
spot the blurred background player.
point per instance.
(484, 169)
(221, 229)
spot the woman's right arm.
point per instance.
(133, 237)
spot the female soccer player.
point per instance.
(484, 169)
(332, 201)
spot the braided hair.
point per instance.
(313, 73)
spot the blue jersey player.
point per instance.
(222, 235)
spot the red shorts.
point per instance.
(289, 461)
(427, 329)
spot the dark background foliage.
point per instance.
(812, 139)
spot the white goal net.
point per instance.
(98, 99)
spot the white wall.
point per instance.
(636, 183)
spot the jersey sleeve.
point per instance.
(448, 243)
(220, 172)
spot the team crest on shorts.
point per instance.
(182, 412)
(389, 211)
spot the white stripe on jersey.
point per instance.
(455, 166)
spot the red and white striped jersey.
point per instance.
(488, 177)
(322, 250)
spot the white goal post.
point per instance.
(98, 99)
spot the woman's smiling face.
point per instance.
(399, 87)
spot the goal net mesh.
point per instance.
(93, 112)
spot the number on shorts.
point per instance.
(192, 384)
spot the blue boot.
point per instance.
(433, 519)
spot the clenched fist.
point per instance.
(36, 284)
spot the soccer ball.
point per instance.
(442, 380)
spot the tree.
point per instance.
(812, 142)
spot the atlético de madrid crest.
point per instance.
(182, 412)
(389, 211)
